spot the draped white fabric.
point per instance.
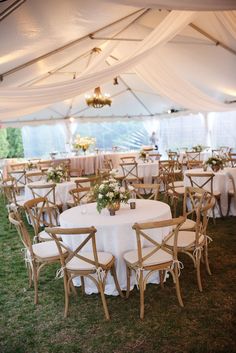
(168, 83)
(200, 5)
(20, 101)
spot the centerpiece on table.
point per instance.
(198, 148)
(216, 163)
(57, 174)
(109, 194)
(84, 143)
(144, 155)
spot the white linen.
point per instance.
(62, 195)
(220, 183)
(114, 234)
(88, 163)
(145, 171)
(203, 156)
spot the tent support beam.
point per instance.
(209, 36)
(68, 45)
(14, 6)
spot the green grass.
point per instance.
(205, 324)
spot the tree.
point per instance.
(3, 143)
(14, 138)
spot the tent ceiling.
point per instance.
(37, 28)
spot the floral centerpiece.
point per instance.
(143, 155)
(83, 142)
(56, 174)
(198, 148)
(216, 163)
(109, 194)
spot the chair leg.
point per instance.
(128, 274)
(113, 272)
(177, 287)
(66, 289)
(162, 275)
(141, 290)
(82, 285)
(104, 303)
(198, 268)
(229, 202)
(206, 259)
(35, 279)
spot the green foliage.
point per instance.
(14, 138)
(4, 145)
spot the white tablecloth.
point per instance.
(115, 234)
(89, 163)
(61, 192)
(145, 171)
(204, 155)
(221, 183)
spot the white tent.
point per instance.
(53, 52)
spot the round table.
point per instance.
(115, 234)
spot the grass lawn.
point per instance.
(205, 324)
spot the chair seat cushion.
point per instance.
(46, 249)
(76, 264)
(185, 239)
(178, 183)
(159, 257)
(187, 225)
(179, 190)
(43, 236)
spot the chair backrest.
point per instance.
(108, 164)
(215, 152)
(145, 232)
(128, 159)
(19, 176)
(88, 243)
(34, 176)
(192, 156)
(87, 181)
(130, 171)
(147, 191)
(232, 160)
(17, 166)
(40, 214)
(166, 166)
(9, 193)
(80, 195)
(46, 190)
(22, 231)
(232, 181)
(155, 156)
(45, 165)
(201, 180)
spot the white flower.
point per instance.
(122, 189)
(110, 195)
(101, 187)
(100, 196)
(130, 187)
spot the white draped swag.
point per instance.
(18, 101)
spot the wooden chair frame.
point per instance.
(130, 173)
(88, 236)
(80, 195)
(139, 266)
(32, 176)
(34, 263)
(207, 180)
(147, 191)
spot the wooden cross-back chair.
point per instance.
(87, 181)
(232, 160)
(194, 242)
(147, 191)
(45, 165)
(155, 257)
(205, 181)
(36, 255)
(94, 265)
(130, 173)
(17, 166)
(11, 193)
(80, 195)
(128, 159)
(172, 155)
(47, 190)
(215, 152)
(193, 159)
(34, 176)
(41, 215)
(154, 156)
(19, 176)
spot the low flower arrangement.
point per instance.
(83, 142)
(198, 148)
(143, 155)
(216, 163)
(109, 194)
(56, 174)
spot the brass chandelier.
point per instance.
(97, 100)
